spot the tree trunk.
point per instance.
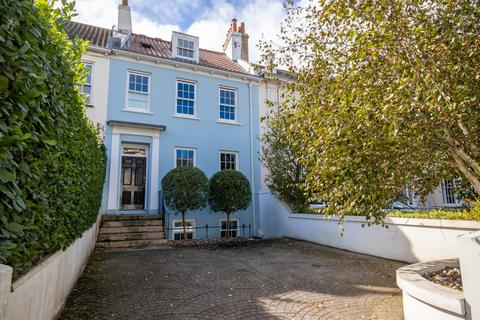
(184, 226)
(465, 164)
(466, 172)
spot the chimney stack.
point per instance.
(236, 43)
(124, 18)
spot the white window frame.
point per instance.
(90, 97)
(148, 94)
(191, 229)
(184, 148)
(445, 196)
(230, 152)
(238, 227)
(182, 115)
(174, 43)
(236, 121)
(192, 50)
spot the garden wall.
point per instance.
(405, 239)
(41, 293)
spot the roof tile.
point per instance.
(152, 46)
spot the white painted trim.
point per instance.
(172, 64)
(237, 112)
(232, 123)
(195, 100)
(151, 174)
(92, 64)
(154, 178)
(238, 226)
(148, 94)
(252, 173)
(184, 116)
(237, 158)
(184, 148)
(136, 110)
(131, 129)
(194, 233)
(196, 47)
(113, 189)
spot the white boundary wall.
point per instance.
(41, 293)
(405, 239)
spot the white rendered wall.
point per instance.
(100, 72)
(405, 239)
(41, 293)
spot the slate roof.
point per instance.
(154, 47)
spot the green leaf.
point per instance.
(7, 176)
(50, 142)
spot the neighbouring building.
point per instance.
(165, 104)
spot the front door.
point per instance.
(134, 164)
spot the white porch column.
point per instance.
(155, 154)
(114, 170)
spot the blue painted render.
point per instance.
(204, 134)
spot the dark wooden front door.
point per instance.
(133, 183)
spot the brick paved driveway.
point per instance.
(277, 279)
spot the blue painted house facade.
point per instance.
(173, 104)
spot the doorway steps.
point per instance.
(131, 231)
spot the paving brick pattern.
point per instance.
(277, 279)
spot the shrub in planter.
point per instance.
(185, 189)
(52, 163)
(229, 192)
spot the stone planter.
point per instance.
(424, 299)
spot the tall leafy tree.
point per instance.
(387, 94)
(185, 189)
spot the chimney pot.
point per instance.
(234, 25)
(242, 27)
(124, 2)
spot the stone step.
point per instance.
(110, 230)
(132, 223)
(126, 217)
(132, 244)
(130, 236)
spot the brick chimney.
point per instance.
(124, 18)
(236, 42)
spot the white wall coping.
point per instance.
(411, 281)
(427, 223)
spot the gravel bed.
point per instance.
(214, 243)
(448, 277)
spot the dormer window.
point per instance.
(184, 46)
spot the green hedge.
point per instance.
(52, 163)
(457, 214)
(438, 214)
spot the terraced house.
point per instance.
(166, 104)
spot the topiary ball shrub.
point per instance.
(229, 192)
(185, 189)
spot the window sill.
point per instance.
(137, 111)
(184, 116)
(229, 122)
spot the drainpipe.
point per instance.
(252, 175)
